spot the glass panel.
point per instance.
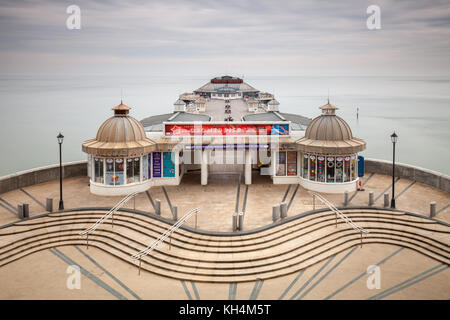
(321, 168)
(137, 169)
(305, 166)
(98, 168)
(168, 165)
(312, 172)
(118, 171)
(339, 168)
(130, 169)
(347, 168)
(281, 163)
(110, 172)
(330, 169)
(292, 163)
(353, 159)
(144, 168)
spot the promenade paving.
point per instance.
(217, 200)
(44, 276)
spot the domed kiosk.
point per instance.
(118, 156)
(330, 154)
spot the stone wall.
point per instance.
(75, 169)
(43, 174)
(425, 176)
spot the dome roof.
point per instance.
(328, 126)
(329, 133)
(274, 102)
(120, 135)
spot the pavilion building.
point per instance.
(131, 156)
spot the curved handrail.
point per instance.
(165, 235)
(339, 213)
(110, 213)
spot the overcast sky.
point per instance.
(234, 36)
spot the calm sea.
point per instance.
(34, 109)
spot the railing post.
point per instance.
(432, 209)
(275, 213)
(241, 221)
(346, 198)
(196, 220)
(170, 241)
(139, 270)
(386, 199)
(87, 240)
(283, 210)
(175, 212)
(158, 207)
(49, 204)
(361, 239)
(112, 218)
(234, 221)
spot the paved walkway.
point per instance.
(44, 276)
(217, 200)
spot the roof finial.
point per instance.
(121, 95)
(328, 95)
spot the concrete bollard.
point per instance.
(175, 212)
(49, 204)
(275, 213)
(26, 210)
(386, 199)
(432, 209)
(158, 207)
(283, 210)
(346, 198)
(371, 198)
(234, 222)
(241, 221)
(20, 210)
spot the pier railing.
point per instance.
(107, 216)
(340, 214)
(163, 237)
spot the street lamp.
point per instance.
(394, 139)
(60, 138)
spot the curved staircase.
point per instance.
(287, 247)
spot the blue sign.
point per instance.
(280, 130)
(360, 166)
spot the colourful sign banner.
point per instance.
(226, 129)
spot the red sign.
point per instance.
(226, 129)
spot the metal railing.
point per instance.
(340, 214)
(106, 216)
(163, 237)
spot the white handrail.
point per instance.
(339, 213)
(111, 212)
(165, 235)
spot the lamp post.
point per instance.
(60, 138)
(394, 139)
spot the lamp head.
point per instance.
(394, 137)
(60, 138)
